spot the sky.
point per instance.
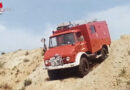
(25, 22)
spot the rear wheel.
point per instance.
(104, 53)
(83, 68)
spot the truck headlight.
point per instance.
(46, 62)
(67, 58)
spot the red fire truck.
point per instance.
(75, 46)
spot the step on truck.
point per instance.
(76, 46)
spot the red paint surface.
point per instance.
(1, 5)
(64, 51)
(93, 42)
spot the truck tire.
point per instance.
(83, 68)
(104, 53)
(52, 74)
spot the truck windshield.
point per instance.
(61, 40)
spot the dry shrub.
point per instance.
(128, 82)
(42, 53)
(23, 88)
(2, 73)
(128, 52)
(3, 53)
(26, 60)
(5, 87)
(125, 36)
(27, 82)
(27, 53)
(1, 64)
(118, 81)
(122, 73)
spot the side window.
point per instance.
(53, 42)
(92, 28)
(79, 36)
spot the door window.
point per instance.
(92, 28)
(79, 36)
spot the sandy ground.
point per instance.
(22, 70)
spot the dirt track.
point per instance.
(22, 70)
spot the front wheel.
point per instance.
(83, 68)
(53, 74)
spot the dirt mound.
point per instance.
(22, 70)
(125, 37)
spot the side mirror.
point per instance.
(43, 40)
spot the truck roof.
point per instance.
(68, 28)
(60, 32)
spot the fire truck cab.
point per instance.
(75, 46)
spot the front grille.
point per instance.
(56, 61)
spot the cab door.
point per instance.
(94, 38)
(81, 43)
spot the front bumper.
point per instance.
(70, 65)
